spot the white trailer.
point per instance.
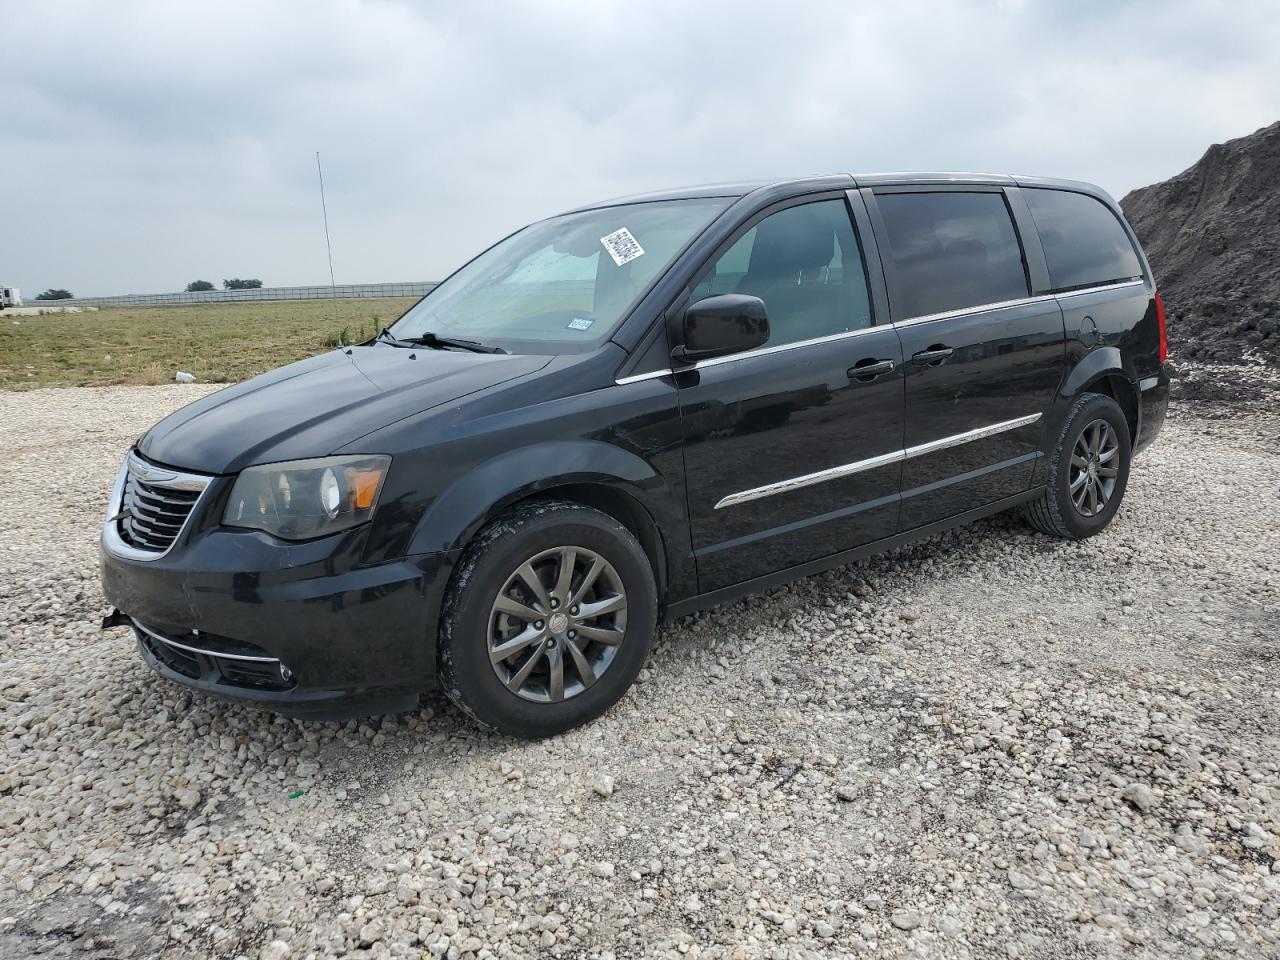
(10, 297)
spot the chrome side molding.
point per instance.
(980, 433)
(760, 352)
(871, 463)
(648, 375)
(809, 479)
(1019, 302)
(909, 321)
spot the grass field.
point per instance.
(217, 342)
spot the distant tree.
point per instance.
(241, 284)
(199, 286)
(52, 294)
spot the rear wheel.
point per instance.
(1087, 472)
(548, 619)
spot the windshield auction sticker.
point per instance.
(622, 246)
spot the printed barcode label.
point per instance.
(622, 246)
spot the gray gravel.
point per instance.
(992, 744)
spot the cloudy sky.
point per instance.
(143, 145)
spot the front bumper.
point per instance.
(228, 608)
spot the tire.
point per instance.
(611, 645)
(1057, 512)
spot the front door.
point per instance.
(983, 357)
(791, 449)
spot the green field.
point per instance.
(217, 342)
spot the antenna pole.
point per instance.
(325, 210)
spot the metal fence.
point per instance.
(342, 291)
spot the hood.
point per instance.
(313, 407)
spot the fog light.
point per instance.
(285, 673)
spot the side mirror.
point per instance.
(715, 326)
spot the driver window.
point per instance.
(804, 263)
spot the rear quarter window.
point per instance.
(1083, 242)
(952, 250)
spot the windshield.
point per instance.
(560, 285)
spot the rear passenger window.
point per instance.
(1083, 241)
(805, 264)
(952, 250)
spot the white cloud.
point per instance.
(143, 145)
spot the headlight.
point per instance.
(303, 499)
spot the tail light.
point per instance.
(1164, 336)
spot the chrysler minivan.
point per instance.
(626, 413)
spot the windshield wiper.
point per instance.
(441, 343)
(437, 342)
(387, 336)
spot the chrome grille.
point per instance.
(155, 514)
(152, 506)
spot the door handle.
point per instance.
(867, 370)
(933, 356)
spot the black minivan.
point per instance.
(629, 412)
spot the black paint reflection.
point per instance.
(1005, 365)
(761, 420)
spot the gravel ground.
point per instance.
(992, 744)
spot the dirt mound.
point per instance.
(1212, 234)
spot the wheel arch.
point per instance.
(624, 507)
(1124, 393)
(1105, 371)
(607, 478)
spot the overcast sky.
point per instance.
(143, 145)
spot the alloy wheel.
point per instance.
(557, 623)
(1095, 466)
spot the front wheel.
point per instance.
(1087, 472)
(548, 619)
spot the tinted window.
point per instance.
(1082, 239)
(804, 263)
(952, 250)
